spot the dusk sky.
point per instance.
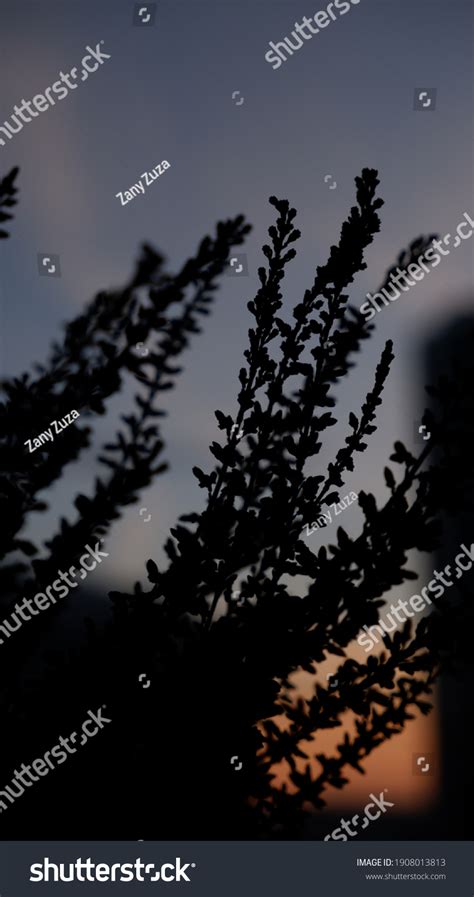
(342, 102)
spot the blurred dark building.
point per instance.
(450, 353)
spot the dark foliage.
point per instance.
(222, 669)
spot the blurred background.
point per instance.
(342, 102)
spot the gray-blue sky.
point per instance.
(342, 102)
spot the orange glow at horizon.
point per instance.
(390, 766)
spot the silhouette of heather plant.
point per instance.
(88, 367)
(221, 670)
